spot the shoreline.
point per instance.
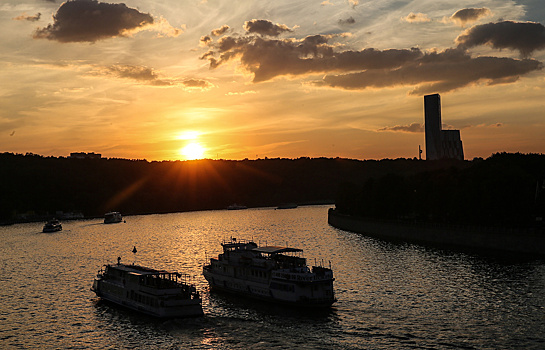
(508, 240)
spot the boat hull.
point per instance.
(172, 309)
(280, 292)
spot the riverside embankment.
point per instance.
(494, 239)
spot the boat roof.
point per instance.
(276, 250)
(141, 270)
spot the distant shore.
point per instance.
(520, 241)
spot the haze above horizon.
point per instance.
(238, 79)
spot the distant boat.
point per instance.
(152, 292)
(276, 274)
(287, 206)
(52, 225)
(73, 215)
(236, 206)
(112, 217)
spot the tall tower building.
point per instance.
(440, 144)
(432, 122)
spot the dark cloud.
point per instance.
(25, 17)
(413, 127)
(90, 20)
(267, 58)
(264, 27)
(526, 37)
(438, 72)
(469, 15)
(349, 21)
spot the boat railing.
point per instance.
(303, 277)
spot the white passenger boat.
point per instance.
(271, 273)
(112, 217)
(153, 292)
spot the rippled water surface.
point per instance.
(390, 296)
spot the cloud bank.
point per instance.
(432, 71)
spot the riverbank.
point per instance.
(520, 241)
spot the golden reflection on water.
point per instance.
(389, 295)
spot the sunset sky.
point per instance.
(171, 79)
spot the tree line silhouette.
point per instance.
(501, 189)
(504, 190)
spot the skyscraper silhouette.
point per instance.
(440, 144)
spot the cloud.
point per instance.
(25, 17)
(413, 128)
(197, 84)
(349, 21)
(148, 76)
(264, 27)
(220, 31)
(416, 18)
(206, 40)
(248, 92)
(139, 73)
(526, 37)
(90, 20)
(438, 72)
(469, 15)
(269, 58)
(425, 72)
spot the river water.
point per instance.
(390, 295)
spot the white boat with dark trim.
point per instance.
(112, 217)
(272, 273)
(153, 292)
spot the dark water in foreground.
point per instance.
(390, 296)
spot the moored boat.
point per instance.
(52, 225)
(271, 273)
(112, 217)
(153, 292)
(236, 206)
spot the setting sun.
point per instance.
(192, 151)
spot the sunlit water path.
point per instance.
(390, 296)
